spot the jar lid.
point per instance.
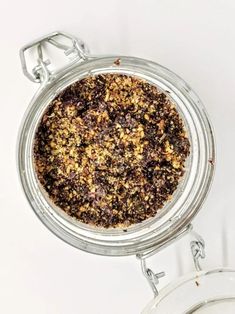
(204, 292)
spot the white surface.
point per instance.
(39, 273)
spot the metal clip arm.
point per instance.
(41, 72)
(198, 250)
(153, 278)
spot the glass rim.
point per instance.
(176, 215)
(198, 301)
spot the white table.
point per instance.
(39, 273)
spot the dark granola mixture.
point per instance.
(110, 150)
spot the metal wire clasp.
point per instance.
(153, 278)
(41, 72)
(198, 250)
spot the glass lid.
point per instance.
(205, 292)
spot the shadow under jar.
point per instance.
(170, 221)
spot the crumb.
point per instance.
(117, 61)
(211, 161)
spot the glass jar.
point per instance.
(175, 218)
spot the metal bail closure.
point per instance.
(198, 252)
(76, 51)
(153, 278)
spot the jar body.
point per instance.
(175, 217)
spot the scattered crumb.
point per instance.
(211, 161)
(117, 61)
